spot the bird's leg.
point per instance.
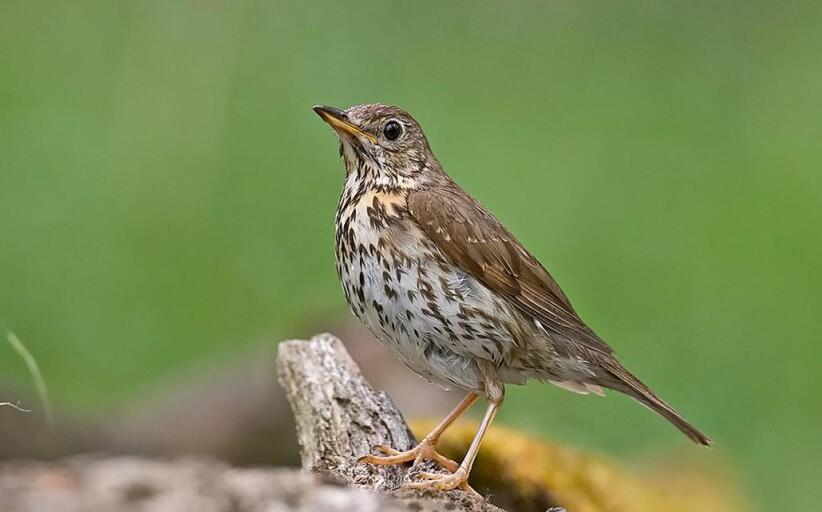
(459, 477)
(424, 450)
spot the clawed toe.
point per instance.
(437, 481)
(421, 451)
(391, 456)
(441, 482)
(386, 450)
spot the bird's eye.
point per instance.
(392, 130)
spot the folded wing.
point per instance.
(476, 242)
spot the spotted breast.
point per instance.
(435, 318)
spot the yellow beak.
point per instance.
(336, 118)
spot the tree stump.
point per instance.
(339, 418)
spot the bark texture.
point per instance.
(339, 418)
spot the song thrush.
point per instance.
(449, 290)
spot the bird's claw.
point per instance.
(386, 450)
(424, 450)
(442, 482)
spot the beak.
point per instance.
(337, 119)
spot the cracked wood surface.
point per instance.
(339, 418)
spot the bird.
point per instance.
(447, 288)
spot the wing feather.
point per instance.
(475, 241)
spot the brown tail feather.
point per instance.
(627, 383)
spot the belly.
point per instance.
(432, 316)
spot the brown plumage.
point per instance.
(475, 241)
(449, 290)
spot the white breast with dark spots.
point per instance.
(431, 315)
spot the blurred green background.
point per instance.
(167, 196)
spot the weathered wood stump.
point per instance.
(340, 417)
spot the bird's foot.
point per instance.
(424, 450)
(441, 482)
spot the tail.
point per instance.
(620, 379)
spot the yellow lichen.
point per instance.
(528, 474)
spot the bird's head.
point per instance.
(382, 144)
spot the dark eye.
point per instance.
(392, 130)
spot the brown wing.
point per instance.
(475, 241)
